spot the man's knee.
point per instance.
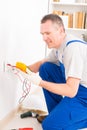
(44, 66)
(45, 69)
(47, 125)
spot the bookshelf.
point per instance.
(74, 15)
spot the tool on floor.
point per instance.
(29, 114)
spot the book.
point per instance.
(81, 20)
(75, 19)
(70, 20)
(85, 21)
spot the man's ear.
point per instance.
(61, 29)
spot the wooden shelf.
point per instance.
(70, 4)
(70, 8)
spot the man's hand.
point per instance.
(34, 78)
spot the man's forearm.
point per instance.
(35, 67)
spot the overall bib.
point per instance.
(64, 113)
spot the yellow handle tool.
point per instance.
(23, 67)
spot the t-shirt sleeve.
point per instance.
(74, 60)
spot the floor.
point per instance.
(17, 123)
(11, 90)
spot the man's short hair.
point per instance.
(54, 18)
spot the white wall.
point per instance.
(20, 38)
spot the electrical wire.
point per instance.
(26, 84)
(26, 90)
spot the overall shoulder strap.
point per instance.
(75, 41)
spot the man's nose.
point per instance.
(44, 37)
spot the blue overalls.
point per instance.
(64, 113)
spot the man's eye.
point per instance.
(47, 33)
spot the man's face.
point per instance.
(51, 34)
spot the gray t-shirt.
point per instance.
(74, 58)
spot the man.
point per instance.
(63, 77)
